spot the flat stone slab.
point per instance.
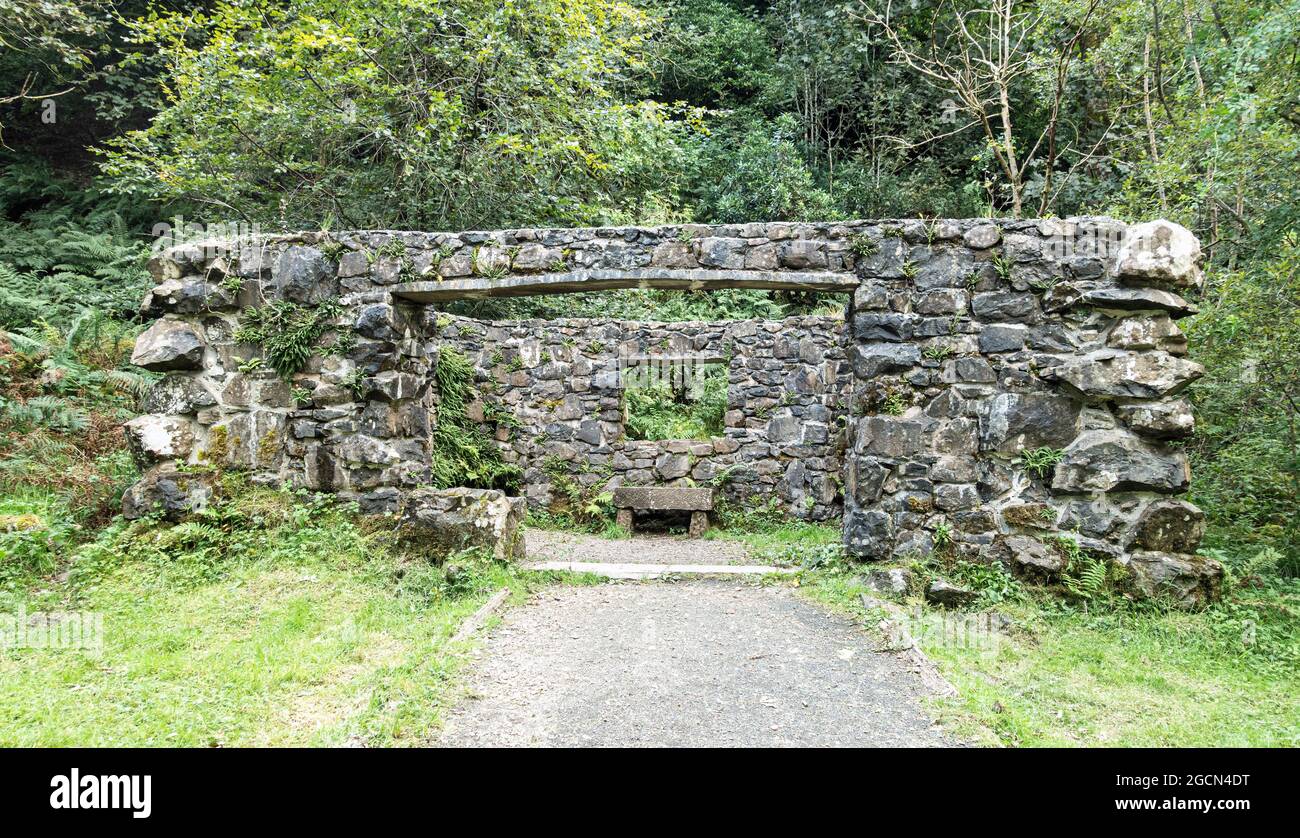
(574, 282)
(629, 570)
(656, 498)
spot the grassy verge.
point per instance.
(1115, 673)
(273, 620)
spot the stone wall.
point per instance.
(562, 381)
(1009, 382)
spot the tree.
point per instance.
(402, 113)
(980, 56)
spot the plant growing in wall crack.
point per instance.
(287, 332)
(1040, 461)
(462, 453)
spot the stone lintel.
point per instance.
(575, 282)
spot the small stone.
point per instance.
(892, 582)
(982, 236)
(942, 592)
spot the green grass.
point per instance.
(275, 621)
(1119, 674)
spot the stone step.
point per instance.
(629, 570)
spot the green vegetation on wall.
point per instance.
(462, 453)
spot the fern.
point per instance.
(1085, 577)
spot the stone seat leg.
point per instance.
(624, 519)
(699, 523)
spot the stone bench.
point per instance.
(695, 500)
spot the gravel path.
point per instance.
(550, 545)
(704, 663)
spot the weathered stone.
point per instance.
(889, 437)
(1105, 461)
(892, 582)
(982, 236)
(1160, 253)
(659, 498)
(873, 359)
(170, 492)
(1155, 332)
(802, 255)
(1159, 420)
(1139, 299)
(999, 337)
(672, 466)
(1032, 558)
(1030, 515)
(1004, 305)
(1188, 581)
(391, 386)
(536, 257)
(1109, 374)
(376, 322)
(722, 252)
(942, 592)
(951, 497)
(153, 437)
(1012, 422)
(304, 275)
(1170, 526)
(455, 519)
(177, 394)
(168, 345)
(868, 533)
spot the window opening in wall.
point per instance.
(677, 398)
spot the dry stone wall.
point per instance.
(562, 382)
(996, 386)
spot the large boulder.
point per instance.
(1012, 422)
(1113, 460)
(154, 437)
(1189, 581)
(168, 491)
(1111, 374)
(453, 519)
(1160, 253)
(168, 345)
(1170, 526)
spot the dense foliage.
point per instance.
(445, 114)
